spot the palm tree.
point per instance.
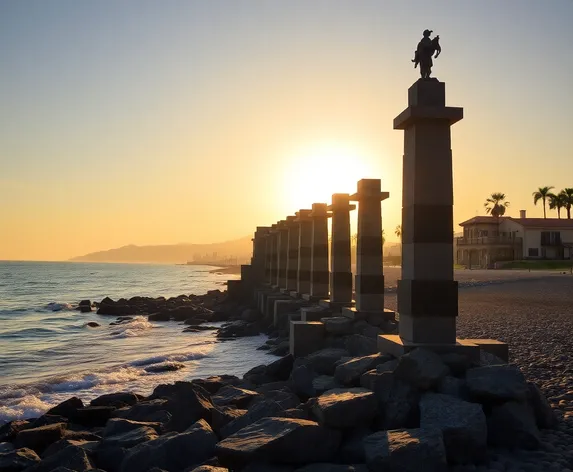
(495, 204)
(556, 202)
(542, 194)
(398, 231)
(383, 237)
(567, 195)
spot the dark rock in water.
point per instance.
(115, 309)
(544, 414)
(198, 329)
(85, 308)
(250, 315)
(117, 400)
(17, 460)
(238, 329)
(67, 408)
(324, 361)
(194, 321)
(513, 425)
(121, 320)
(74, 458)
(215, 383)
(173, 451)
(345, 408)
(183, 313)
(92, 324)
(280, 349)
(159, 317)
(281, 368)
(263, 409)
(349, 372)
(8, 431)
(282, 440)
(93, 416)
(164, 367)
(85, 303)
(238, 397)
(421, 368)
(496, 384)
(406, 450)
(463, 426)
(40, 438)
(397, 402)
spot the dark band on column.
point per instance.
(320, 251)
(304, 252)
(304, 275)
(341, 279)
(370, 246)
(321, 277)
(427, 224)
(428, 297)
(341, 247)
(369, 284)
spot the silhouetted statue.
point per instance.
(423, 55)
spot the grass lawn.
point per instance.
(538, 265)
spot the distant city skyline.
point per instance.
(141, 122)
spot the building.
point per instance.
(487, 240)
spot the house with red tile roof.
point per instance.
(487, 240)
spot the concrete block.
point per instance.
(428, 329)
(396, 346)
(492, 346)
(285, 306)
(314, 313)
(305, 337)
(269, 311)
(376, 318)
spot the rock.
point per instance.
(263, 409)
(281, 349)
(281, 368)
(6, 447)
(323, 383)
(250, 315)
(174, 451)
(337, 325)
(301, 379)
(544, 415)
(110, 458)
(323, 361)
(359, 345)
(164, 367)
(285, 398)
(282, 440)
(85, 306)
(92, 324)
(267, 467)
(406, 450)
(119, 432)
(39, 438)
(397, 402)
(224, 415)
(230, 395)
(350, 371)
(421, 368)
(238, 329)
(270, 387)
(214, 383)
(463, 426)
(323, 467)
(93, 416)
(161, 316)
(258, 375)
(48, 419)
(117, 400)
(74, 458)
(8, 431)
(498, 383)
(209, 468)
(352, 448)
(345, 408)
(67, 408)
(456, 362)
(18, 459)
(56, 447)
(151, 411)
(513, 425)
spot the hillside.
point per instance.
(173, 253)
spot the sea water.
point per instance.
(48, 353)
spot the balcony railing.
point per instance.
(489, 240)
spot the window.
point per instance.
(550, 238)
(533, 252)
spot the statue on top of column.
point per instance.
(424, 52)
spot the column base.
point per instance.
(376, 318)
(314, 313)
(312, 298)
(295, 294)
(335, 306)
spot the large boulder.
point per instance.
(406, 450)
(224, 415)
(349, 372)
(18, 459)
(462, 424)
(120, 432)
(147, 411)
(214, 383)
(281, 368)
(56, 447)
(262, 409)
(159, 316)
(282, 440)
(40, 438)
(235, 396)
(323, 383)
(359, 345)
(93, 416)
(421, 368)
(324, 361)
(301, 379)
(345, 408)
(513, 425)
(74, 458)
(174, 451)
(8, 431)
(67, 408)
(544, 414)
(117, 400)
(397, 402)
(496, 384)
(337, 325)
(238, 329)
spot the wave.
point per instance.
(40, 332)
(55, 306)
(177, 357)
(138, 326)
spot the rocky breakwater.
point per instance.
(328, 411)
(194, 311)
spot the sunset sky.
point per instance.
(159, 122)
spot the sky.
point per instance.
(146, 122)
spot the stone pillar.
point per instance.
(272, 244)
(369, 279)
(259, 258)
(292, 251)
(340, 266)
(319, 274)
(304, 252)
(282, 253)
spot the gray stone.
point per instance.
(397, 402)
(349, 372)
(166, 452)
(209, 468)
(281, 368)
(67, 408)
(72, 457)
(463, 426)
(262, 409)
(337, 325)
(406, 450)
(345, 408)
(544, 414)
(117, 400)
(63, 443)
(282, 440)
(513, 425)
(323, 361)
(40, 438)
(359, 345)
(146, 411)
(457, 363)
(18, 459)
(322, 383)
(6, 447)
(120, 432)
(231, 395)
(368, 379)
(453, 386)
(496, 384)
(421, 368)
(220, 416)
(301, 378)
(352, 448)
(284, 398)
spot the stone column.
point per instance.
(340, 266)
(272, 244)
(304, 252)
(427, 292)
(259, 255)
(369, 279)
(282, 242)
(319, 274)
(292, 259)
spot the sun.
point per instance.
(322, 169)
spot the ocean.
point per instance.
(48, 353)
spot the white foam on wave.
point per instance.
(138, 326)
(29, 406)
(175, 357)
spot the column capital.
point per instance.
(303, 215)
(341, 202)
(369, 189)
(319, 210)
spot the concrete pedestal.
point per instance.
(314, 313)
(305, 337)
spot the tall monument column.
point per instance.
(272, 254)
(259, 258)
(427, 292)
(319, 274)
(292, 251)
(282, 245)
(304, 252)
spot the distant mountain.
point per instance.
(173, 253)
